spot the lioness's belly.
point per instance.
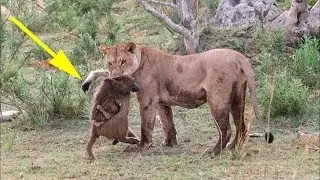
(188, 98)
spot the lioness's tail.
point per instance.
(93, 75)
(248, 72)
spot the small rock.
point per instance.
(7, 116)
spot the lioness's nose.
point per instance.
(116, 74)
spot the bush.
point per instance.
(306, 62)
(85, 50)
(290, 95)
(45, 99)
(268, 40)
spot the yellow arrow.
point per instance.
(59, 60)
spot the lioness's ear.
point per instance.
(104, 48)
(130, 47)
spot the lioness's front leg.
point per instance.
(166, 117)
(148, 110)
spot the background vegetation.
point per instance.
(48, 139)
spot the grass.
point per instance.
(59, 153)
(57, 150)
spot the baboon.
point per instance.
(110, 109)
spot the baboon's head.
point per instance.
(125, 84)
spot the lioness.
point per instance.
(218, 77)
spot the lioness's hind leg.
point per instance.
(166, 117)
(237, 110)
(220, 109)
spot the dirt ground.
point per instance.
(59, 153)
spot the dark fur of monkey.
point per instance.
(110, 109)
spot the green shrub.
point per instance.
(64, 98)
(269, 40)
(86, 49)
(39, 54)
(306, 62)
(270, 61)
(89, 24)
(290, 95)
(46, 99)
(312, 2)
(112, 28)
(8, 140)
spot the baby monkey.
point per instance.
(110, 109)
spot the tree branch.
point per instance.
(164, 4)
(176, 27)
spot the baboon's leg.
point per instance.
(104, 112)
(132, 137)
(166, 118)
(237, 110)
(92, 140)
(131, 133)
(130, 140)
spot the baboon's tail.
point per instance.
(248, 72)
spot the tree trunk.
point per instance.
(188, 11)
(299, 21)
(185, 24)
(191, 44)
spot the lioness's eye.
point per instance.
(123, 62)
(110, 64)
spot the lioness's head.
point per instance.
(122, 59)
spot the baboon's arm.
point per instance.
(104, 112)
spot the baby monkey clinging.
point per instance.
(110, 109)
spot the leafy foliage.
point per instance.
(52, 96)
(306, 62)
(290, 95)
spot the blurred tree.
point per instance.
(183, 20)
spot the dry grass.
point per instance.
(59, 153)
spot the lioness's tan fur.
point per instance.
(218, 77)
